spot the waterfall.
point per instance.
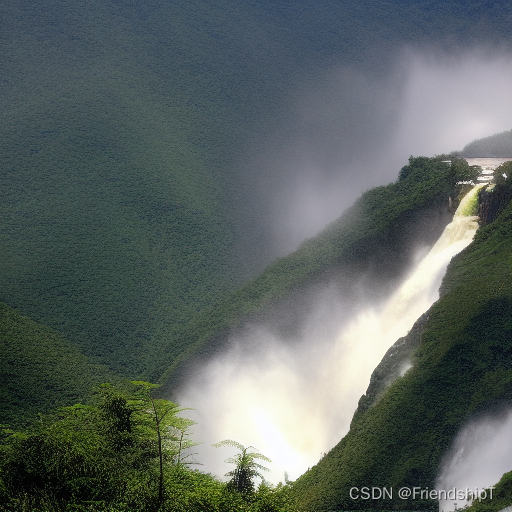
(294, 403)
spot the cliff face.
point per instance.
(394, 364)
(492, 200)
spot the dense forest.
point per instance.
(136, 240)
(125, 194)
(126, 449)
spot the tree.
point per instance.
(246, 467)
(170, 430)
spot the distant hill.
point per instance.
(498, 145)
(40, 370)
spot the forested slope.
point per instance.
(105, 454)
(124, 204)
(461, 369)
(375, 238)
(40, 370)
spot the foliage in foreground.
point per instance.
(122, 452)
(242, 477)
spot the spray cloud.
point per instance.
(351, 129)
(294, 401)
(481, 454)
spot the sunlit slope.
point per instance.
(461, 368)
(40, 370)
(376, 238)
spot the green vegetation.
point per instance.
(125, 450)
(496, 145)
(460, 369)
(125, 240)
(502, 175)
(242, 477)
(39, 369)
(501, 497)
(123, 124)
(121, 452)
(376, 229)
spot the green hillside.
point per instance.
(132, 241)
(461, 369)
(126, 208)
(375, 238)
(501, 498)
(40, 370)
(496, 145)
(104, 455)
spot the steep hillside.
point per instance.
(124, 212)
(376, 238)
(40, 370)
(501, 499)
(460, 353)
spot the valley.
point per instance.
(254, 225)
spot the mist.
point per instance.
(292, 395)
(481, 454)
(351, 129)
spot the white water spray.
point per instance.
(295, 403)
(480, 455)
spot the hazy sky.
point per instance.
(349, 130)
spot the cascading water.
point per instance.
(294, 403)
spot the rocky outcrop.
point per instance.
(492, 200)
(394, 364)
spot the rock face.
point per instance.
(394, 364)
(492, 200)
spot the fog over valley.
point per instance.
(254, 225)
(349, 130)
(292, 394)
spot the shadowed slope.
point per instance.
(40, 370)
(461, 368)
